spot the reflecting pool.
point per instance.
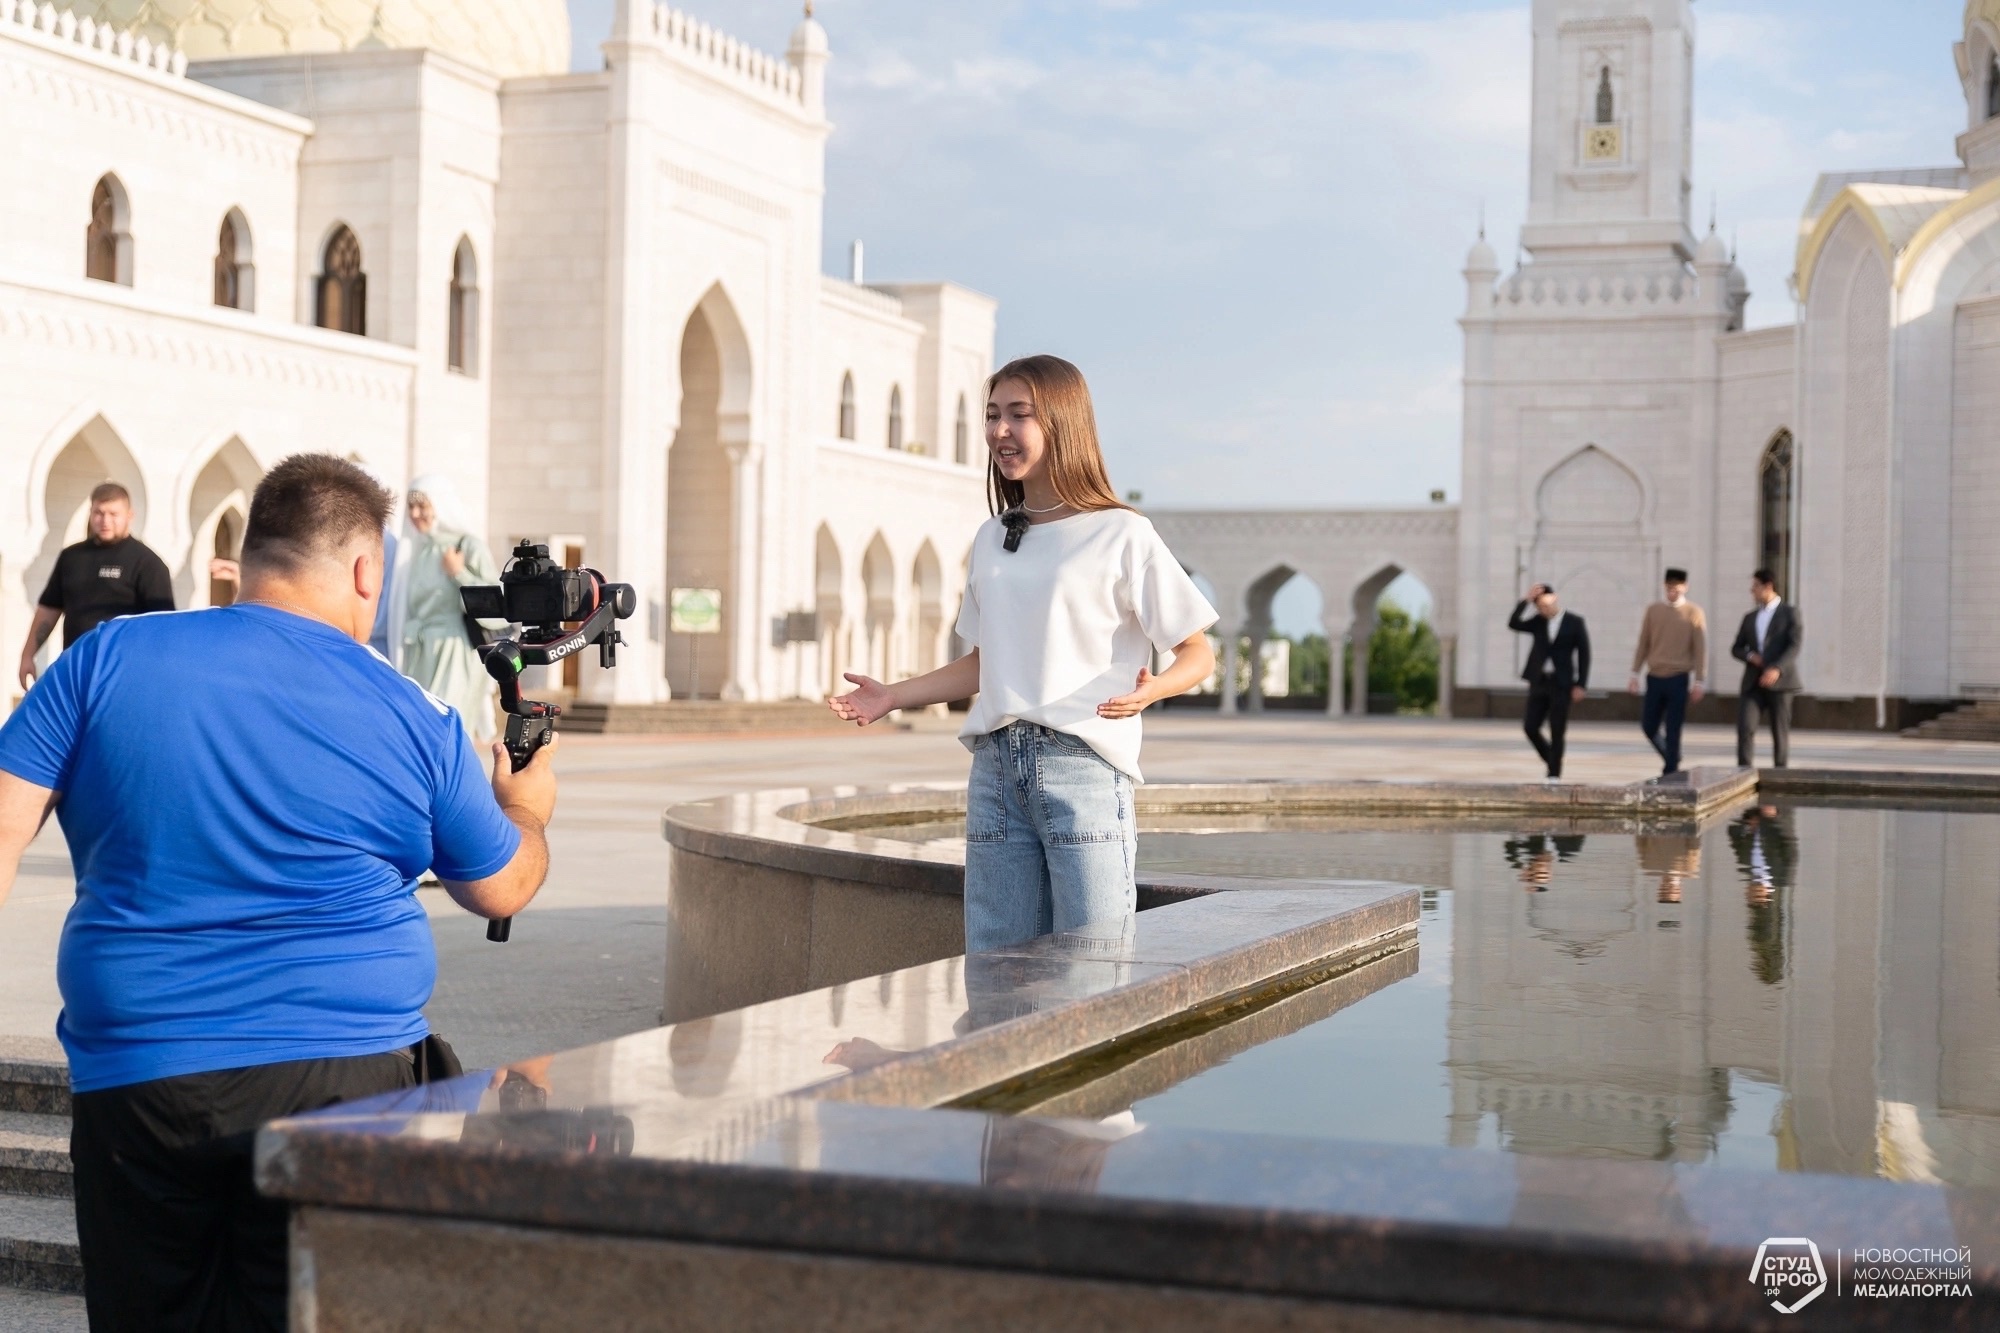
(1791, 989)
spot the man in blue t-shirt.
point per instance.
(249, 795)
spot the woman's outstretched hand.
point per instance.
(869, 701)
(1131, 705)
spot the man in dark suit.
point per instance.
(1558, 670)
(1767, 645)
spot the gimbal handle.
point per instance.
(530, 722)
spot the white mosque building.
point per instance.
(405, 232)
(1620, 419)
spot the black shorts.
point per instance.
(173, 1232)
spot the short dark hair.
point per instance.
(107, 491)
(311, 505)
(1765, 577)
(1677, 576)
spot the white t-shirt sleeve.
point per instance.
(1169, 608)
(967, 628)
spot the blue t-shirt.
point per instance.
(249, 797)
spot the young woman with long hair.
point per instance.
(1071, 593)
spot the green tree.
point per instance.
(1309, 666)
(1403, 659)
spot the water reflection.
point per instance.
(1767, 857)
(1793, 989)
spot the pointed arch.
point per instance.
(92, 453)
(1591, 487)
(829, 604)
(847, 406)
(235, 263)
(896, 416)
(108, 240)
(462, 326)
(701, 514)
(926, 607)
(878, 583)
(215, 504)
(1850, 204)
(732, 345)
(961, 434)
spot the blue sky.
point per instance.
(1246, 220)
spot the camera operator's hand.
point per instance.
(532, 791)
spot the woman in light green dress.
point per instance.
(436, 558)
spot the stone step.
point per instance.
(38, 1244)
(34, 1076)
(34, 1155)
(1972, 722)
(24, 1311)
(698, 716)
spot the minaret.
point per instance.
(1612, 154)
(808, 54)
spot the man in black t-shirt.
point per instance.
(112, 574)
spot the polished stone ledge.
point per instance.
(918, 1037)
(823, 834)
(1640, 1245)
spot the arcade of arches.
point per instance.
(1247, 556)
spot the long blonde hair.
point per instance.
(1076, 461)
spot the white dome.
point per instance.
(1713, 251)
(809, 38)
(1483, 258)
(506, 37)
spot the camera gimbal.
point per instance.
(543, 600)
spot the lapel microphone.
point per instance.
(1017, 524)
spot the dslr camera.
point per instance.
(555, 613)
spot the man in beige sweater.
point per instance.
(1673, 652)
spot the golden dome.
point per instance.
(507, 37)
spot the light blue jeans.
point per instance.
(1051, 841)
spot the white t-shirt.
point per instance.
(1067, 621)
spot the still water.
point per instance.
(1799, 989)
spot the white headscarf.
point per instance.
(448, 515)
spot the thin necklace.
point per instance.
(1060, 504)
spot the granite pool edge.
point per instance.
(796, 829)
(1263, 1243)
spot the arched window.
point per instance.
(1993, 88)
(1774, 519)
(961, 436)
(847, 406)
(1606, 104)
(343, 287)
(896, 417)
(462, 338)
(235, 276)
(108, 246)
